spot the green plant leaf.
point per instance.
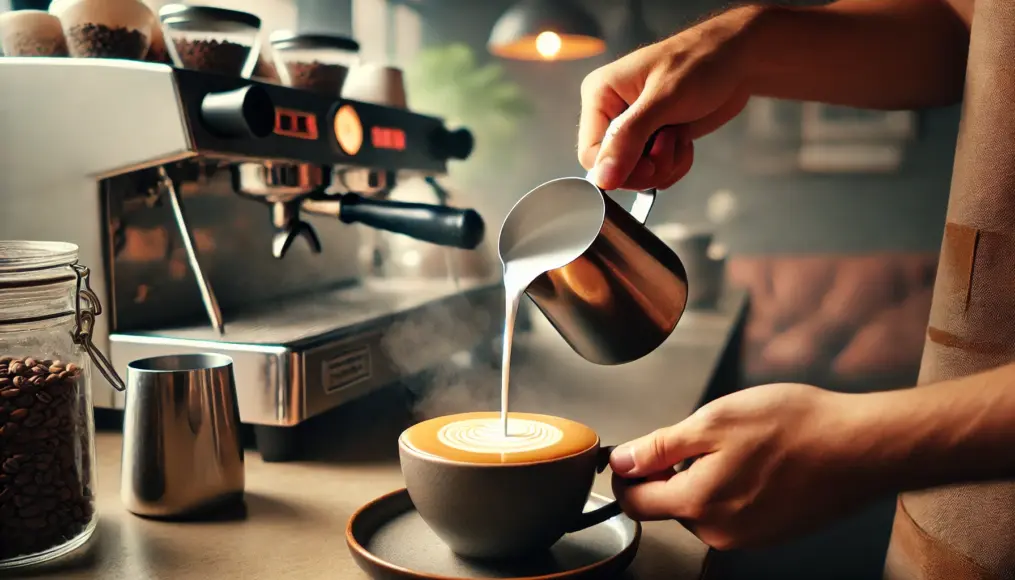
(447, 81)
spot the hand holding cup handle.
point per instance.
(602, 513)
(502, 505)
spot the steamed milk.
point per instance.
(480, 435)
(478, 438)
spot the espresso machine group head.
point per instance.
(291, 187)
(249, 113)
(151, 170)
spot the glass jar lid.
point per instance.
(187, 17)
(17, 256)
(287, 40)
(25, 264)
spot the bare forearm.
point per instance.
(952, 432)
(887, 54)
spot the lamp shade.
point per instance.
(546, 30)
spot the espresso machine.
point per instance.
(207, 209)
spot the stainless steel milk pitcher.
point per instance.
(182, 449)
(620, 292)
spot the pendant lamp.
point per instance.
(546, 30)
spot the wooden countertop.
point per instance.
(297, 512)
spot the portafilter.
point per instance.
(283, 186)
(290, 189)
(441, 225)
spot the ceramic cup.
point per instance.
(497, 506)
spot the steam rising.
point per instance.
(465, 381)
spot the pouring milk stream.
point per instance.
(611, 288)
(559, 241)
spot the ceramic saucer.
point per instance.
(389, 541)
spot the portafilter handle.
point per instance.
(441, 225)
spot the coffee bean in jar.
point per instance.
(101, 41)
(46, 498)
(217, 56)
(23, 45)
(47, 436)
(157, 47)
(317, 76)
(105, 28)
(314, 62)
(265, 71)
(31, 33)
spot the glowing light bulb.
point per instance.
(548, 44)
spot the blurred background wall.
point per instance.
(831, 217)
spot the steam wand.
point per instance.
(207, 294)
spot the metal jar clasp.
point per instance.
(86, 308)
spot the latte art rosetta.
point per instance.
(487, 435)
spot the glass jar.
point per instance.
(47, 435)
(314, 62)
(211, 39)
(105, 28)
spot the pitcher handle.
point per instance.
(646, 198)
(643, 202)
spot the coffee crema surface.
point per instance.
(479, 438)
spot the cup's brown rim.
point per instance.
(437, 458)
(353, 543)
(430, 456)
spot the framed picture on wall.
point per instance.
(819, 122)
(831, 157)
(785, 137)
(847, 140)
(772, 136)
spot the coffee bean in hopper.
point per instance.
(222, 57)
(45, 480)
(316, 76)
(30, 45)
(100, 41)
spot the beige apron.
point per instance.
(968, 531)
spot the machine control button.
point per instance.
(348, 130)
(242, 113)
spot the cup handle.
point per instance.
(603, 513)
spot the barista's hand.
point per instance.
(772, 461)
(691, 81)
